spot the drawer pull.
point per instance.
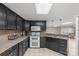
(62, 45)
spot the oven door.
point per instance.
(34, 41)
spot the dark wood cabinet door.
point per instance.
(39, 23)
(62, 46)
(48, 42)
(27, 25)
(52, 44)
(13, 51)
(25, 45)
(42, 42)
(59, 45)
(19, 23)
(20, 49)
(2, 17)
(11, 19)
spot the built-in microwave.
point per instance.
(35, 28)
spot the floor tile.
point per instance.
(41, 52)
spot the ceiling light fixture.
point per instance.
(43, 8)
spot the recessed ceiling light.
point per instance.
(43, 8)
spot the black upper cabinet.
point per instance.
(2, 17)
(39, 23)
(19, 23)
(27, 25)
(11, 20)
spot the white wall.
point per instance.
(77, 36)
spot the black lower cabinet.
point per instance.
(13, 51)
(23, 46)
(52, 44)
(42, 42)
(62, 46)
(28, 42)
(20, 48)
(58, 45)
(17, 50)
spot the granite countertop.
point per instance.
(9, 43)
(66, 38)
(55, 36)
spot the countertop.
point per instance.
(55, 36)
(59, 37)
(9, 43)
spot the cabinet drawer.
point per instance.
(63, 49)
(62, 41)
(11, 51)
(14, 52)
(62, 45)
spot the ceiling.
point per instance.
(65, 11)
(26, 10)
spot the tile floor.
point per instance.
(41, 52)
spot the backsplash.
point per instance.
(4, 34)
(3, 38)
(53, 30)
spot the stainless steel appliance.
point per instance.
(35, 28)
(35, 37)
